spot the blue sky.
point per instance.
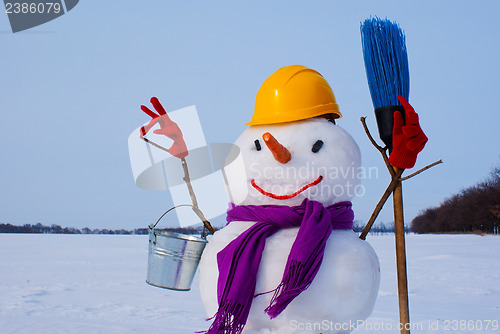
(72, 88)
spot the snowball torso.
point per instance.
(346, 285)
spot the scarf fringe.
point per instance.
(228, 319)
(289, 288)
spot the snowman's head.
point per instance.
(286, 163)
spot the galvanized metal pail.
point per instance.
(173, 258)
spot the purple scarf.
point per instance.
(239, 261)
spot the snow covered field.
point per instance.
(96, 284)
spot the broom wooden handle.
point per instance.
(399, 232)
(397, 194)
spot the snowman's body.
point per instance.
(345, 287)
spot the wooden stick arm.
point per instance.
(395, 179)
(390, 188)
(440, 161)
(196, 208)
(187, 179)
(382, 150)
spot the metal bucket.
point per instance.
(173, 258)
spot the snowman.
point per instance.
(288, 261)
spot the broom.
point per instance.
(386, 64)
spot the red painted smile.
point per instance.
(268, 194)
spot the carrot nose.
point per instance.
(280, 153)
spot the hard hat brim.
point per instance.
(298, 115)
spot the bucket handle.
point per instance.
(195, 209)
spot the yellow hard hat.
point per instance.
(293, 93)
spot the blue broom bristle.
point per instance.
(386, 61)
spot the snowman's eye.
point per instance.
(317, 146)
(257, 145)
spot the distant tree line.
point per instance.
(474, 210)
(56, 229)
(380, 228)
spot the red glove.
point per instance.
(407, 139)
(167, 128)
